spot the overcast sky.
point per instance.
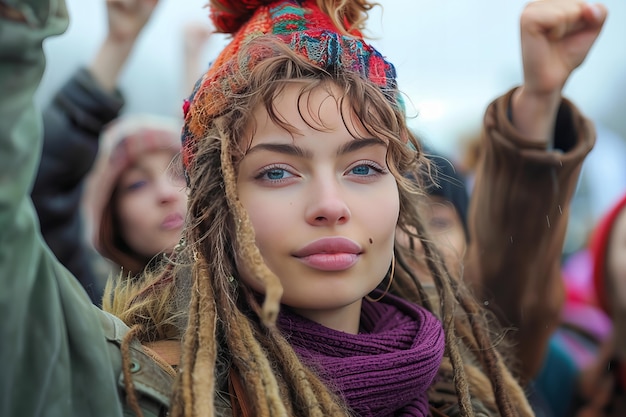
(452, 57)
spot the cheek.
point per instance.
(268, 224)
(456, 239)
(270, 218)
(268, 215)
(382, 212)
(388, 220)
(133, 216)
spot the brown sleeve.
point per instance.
(517, 221)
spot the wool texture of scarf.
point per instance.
(386, 369)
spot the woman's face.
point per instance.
(444, 226)
(323, 205)
(151, 204)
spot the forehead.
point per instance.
(299, 107)
(154, 159)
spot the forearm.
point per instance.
(534, 116)
(52, 345)
(72, 124)
(109, 61)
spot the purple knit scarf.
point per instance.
(384, 370)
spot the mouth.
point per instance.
(330, 254)
(172, 221)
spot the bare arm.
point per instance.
(126, 19)
(556, 37)
(533, 143)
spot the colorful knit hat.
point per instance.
(122, 142)
(599, 246)
(304, 28)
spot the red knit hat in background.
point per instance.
(599, 246)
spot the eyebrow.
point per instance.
(355, 145)
(295, 150)
(287, 149)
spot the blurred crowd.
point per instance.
(112, 203)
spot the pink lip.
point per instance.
(172, 221)
(330, 254)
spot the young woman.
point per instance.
(295, 161)
(135, 196)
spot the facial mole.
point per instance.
(371, 241)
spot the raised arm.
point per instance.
(72, 125)
(556, 36)
(53, 348)
(533, 145)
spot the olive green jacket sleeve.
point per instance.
(54, 355)
(518, 219)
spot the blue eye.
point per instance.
(361, 170)
(275, 174)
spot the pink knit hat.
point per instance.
(122, 142)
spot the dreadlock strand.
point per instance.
(254, 366)
(182, 404)
(447, 297)
(515, 391)
(203, 374)
(129, 386)
(246, 239)
(505, 384)
(488, 356)
(248, 357)
(240, 342)
(318, 401)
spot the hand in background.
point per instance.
(126, 19)
(556, 37)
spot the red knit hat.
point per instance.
(302, 26)
(599, 246)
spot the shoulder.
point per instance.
(152, 382)
(152, 378)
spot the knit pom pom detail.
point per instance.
(228, 16)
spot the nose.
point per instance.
(169, 190)
(327, 204)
